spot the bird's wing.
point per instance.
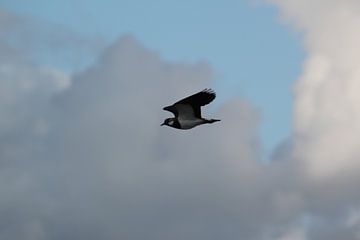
(186, 112)
(182, 111)
(189, 107)
(197, 100)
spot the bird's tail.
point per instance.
(212, 120)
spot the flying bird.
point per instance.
(188, 110)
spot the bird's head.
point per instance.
(168, 122)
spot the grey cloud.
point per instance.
(84, 157)
(103, 168)
(158, 183)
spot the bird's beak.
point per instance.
(162, 124)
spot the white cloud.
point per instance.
(327, 106)
(327, 111)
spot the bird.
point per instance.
(187, 111)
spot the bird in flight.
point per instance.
(188, 110)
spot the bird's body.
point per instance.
(188, 124)
(188, 111)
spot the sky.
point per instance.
(82, 153)
(253, 55)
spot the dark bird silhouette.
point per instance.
(188, 110)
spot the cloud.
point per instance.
(326, 107)
(327, 112)
(134, 179)
(24, 95)
(48, 44)
(83, 156)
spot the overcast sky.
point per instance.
(82, 153)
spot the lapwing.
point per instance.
(187, 111)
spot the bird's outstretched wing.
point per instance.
(199, 99)
(190, 106)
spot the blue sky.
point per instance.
(253, 54)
